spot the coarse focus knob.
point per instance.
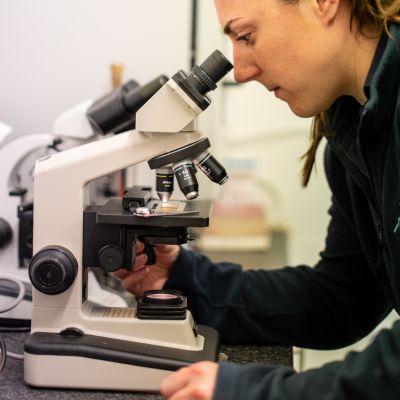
(5, 233)
(53, 270)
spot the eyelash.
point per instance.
(245, 38)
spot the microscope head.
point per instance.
(183, 97)
(176, 105)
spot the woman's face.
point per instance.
(290, 48)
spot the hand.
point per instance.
(149, 277)
(195, 382)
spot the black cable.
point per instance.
(15, 329)
(20, 296)
(3, 354)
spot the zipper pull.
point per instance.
(379, 230)
(397, 227)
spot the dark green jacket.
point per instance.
(354, 285)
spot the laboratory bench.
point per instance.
(275, 255)
(12, 386)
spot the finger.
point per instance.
(165, 248)
(191, 392)
(140, 261)
(139, 247)
(134, 278)
(121, 273)
(174, 382)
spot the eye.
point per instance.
(245, 38)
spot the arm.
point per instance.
(329, 306)
(370, 374)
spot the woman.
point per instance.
(337, 60)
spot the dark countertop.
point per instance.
(13, 387)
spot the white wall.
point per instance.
(56, 53)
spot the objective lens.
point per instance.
(185, 175)
(164, 183)
(211, 167)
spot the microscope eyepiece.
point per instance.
(203, 78)
(216, 66)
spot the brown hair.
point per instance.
(366, 13)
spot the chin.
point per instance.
(301, 110)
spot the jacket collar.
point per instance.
(381, 89)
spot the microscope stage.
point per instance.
(113, 213)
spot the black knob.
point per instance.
(5, 233)
(111, 258)
(53, 270)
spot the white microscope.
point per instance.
(74, 343)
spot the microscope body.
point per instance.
(59, 221)
(77, 344)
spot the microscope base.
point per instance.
(96, 362)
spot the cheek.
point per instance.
(277, 56)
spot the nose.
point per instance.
(245, 68)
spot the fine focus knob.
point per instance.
(5, 233)
(53, 270)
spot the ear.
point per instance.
(327, 10)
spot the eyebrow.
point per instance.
(227, 27)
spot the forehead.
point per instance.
(228, 10)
